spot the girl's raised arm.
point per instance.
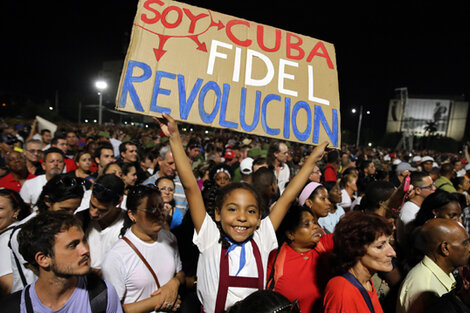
(191, 188)
(295, 186)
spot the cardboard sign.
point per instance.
(211, 69)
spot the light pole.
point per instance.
(100, 85)
(359, 124)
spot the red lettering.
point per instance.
(235, 40)
(178, 19)
(151, 20)
(294, 45)
(324, 53)
(194, 19)
(260, 38)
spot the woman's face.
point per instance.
(167, 189)
(379, 254)
(130, 178)
(320, 204)
(222, 179)
(335, 194)
(451, 210)
(7, 214)
(352, 185)
(465, 185)
(146, 225)
(84, 162)
(239, 215)
(114, 169)
(307, 234)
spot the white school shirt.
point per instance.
(5, 260)
(124, 269)
(208, 267)
(100, 241)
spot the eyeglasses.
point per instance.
(426, 187)
(169, 189)
(34, 151)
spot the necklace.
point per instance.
(304, 256)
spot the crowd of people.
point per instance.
(113, 219)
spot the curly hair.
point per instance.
(354, 231)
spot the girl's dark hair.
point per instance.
(354, 231)
(222, 196)
(60, 188)
(107, 166)
(218, 166)
(264, 301)
(458, 181)
(376, 192)
(17, 202)
(108, 188)
(291, 221)
(135, 196)
(434, 201)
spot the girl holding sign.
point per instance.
(234, 248)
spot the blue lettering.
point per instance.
(320, 118)
(245, 126)
(205, 117)
(157, 90)
(286, 118)
(187, 104)
(223, 109)
(267, 129)
(302, 136)
(128, 85)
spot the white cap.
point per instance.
(427, 158)
(416, 159)
(396, 161)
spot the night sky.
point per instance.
(380, 45)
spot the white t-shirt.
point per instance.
(283, 177)
(32, 188)
(208, 267)
(123, 268)
(407, 215)
(5, 260)
(100, 241)
(345, 199)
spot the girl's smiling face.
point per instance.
(239, 215)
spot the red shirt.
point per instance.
(9, 182)
(330, 173)
(342, 296)
(303, 276)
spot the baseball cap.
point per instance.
(246, 166)
(229, 154)
(404, 166)
(426, 159)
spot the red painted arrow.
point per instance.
(200, 46)
(160, 51)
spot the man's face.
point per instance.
(72, 139)
(46, 138)
(33, 152)
(71, 253)
(459, 246)
(281, 155)
(193, 153)
(53, 164)
(130, 155)
(62, 145)
(106, 157)
(427, 187)
(98, 209)
(168, 166)
(427, 166)
(316, 175)
(458, 166)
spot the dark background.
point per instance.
(51, 47)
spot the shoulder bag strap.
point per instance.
(353, 280)
(142, 258)
(27, 300)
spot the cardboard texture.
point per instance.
(216, 70)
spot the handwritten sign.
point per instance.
(212, 69)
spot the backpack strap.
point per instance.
(17, 261)
(97, 293)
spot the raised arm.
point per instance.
(295, 186)
(191, 188)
